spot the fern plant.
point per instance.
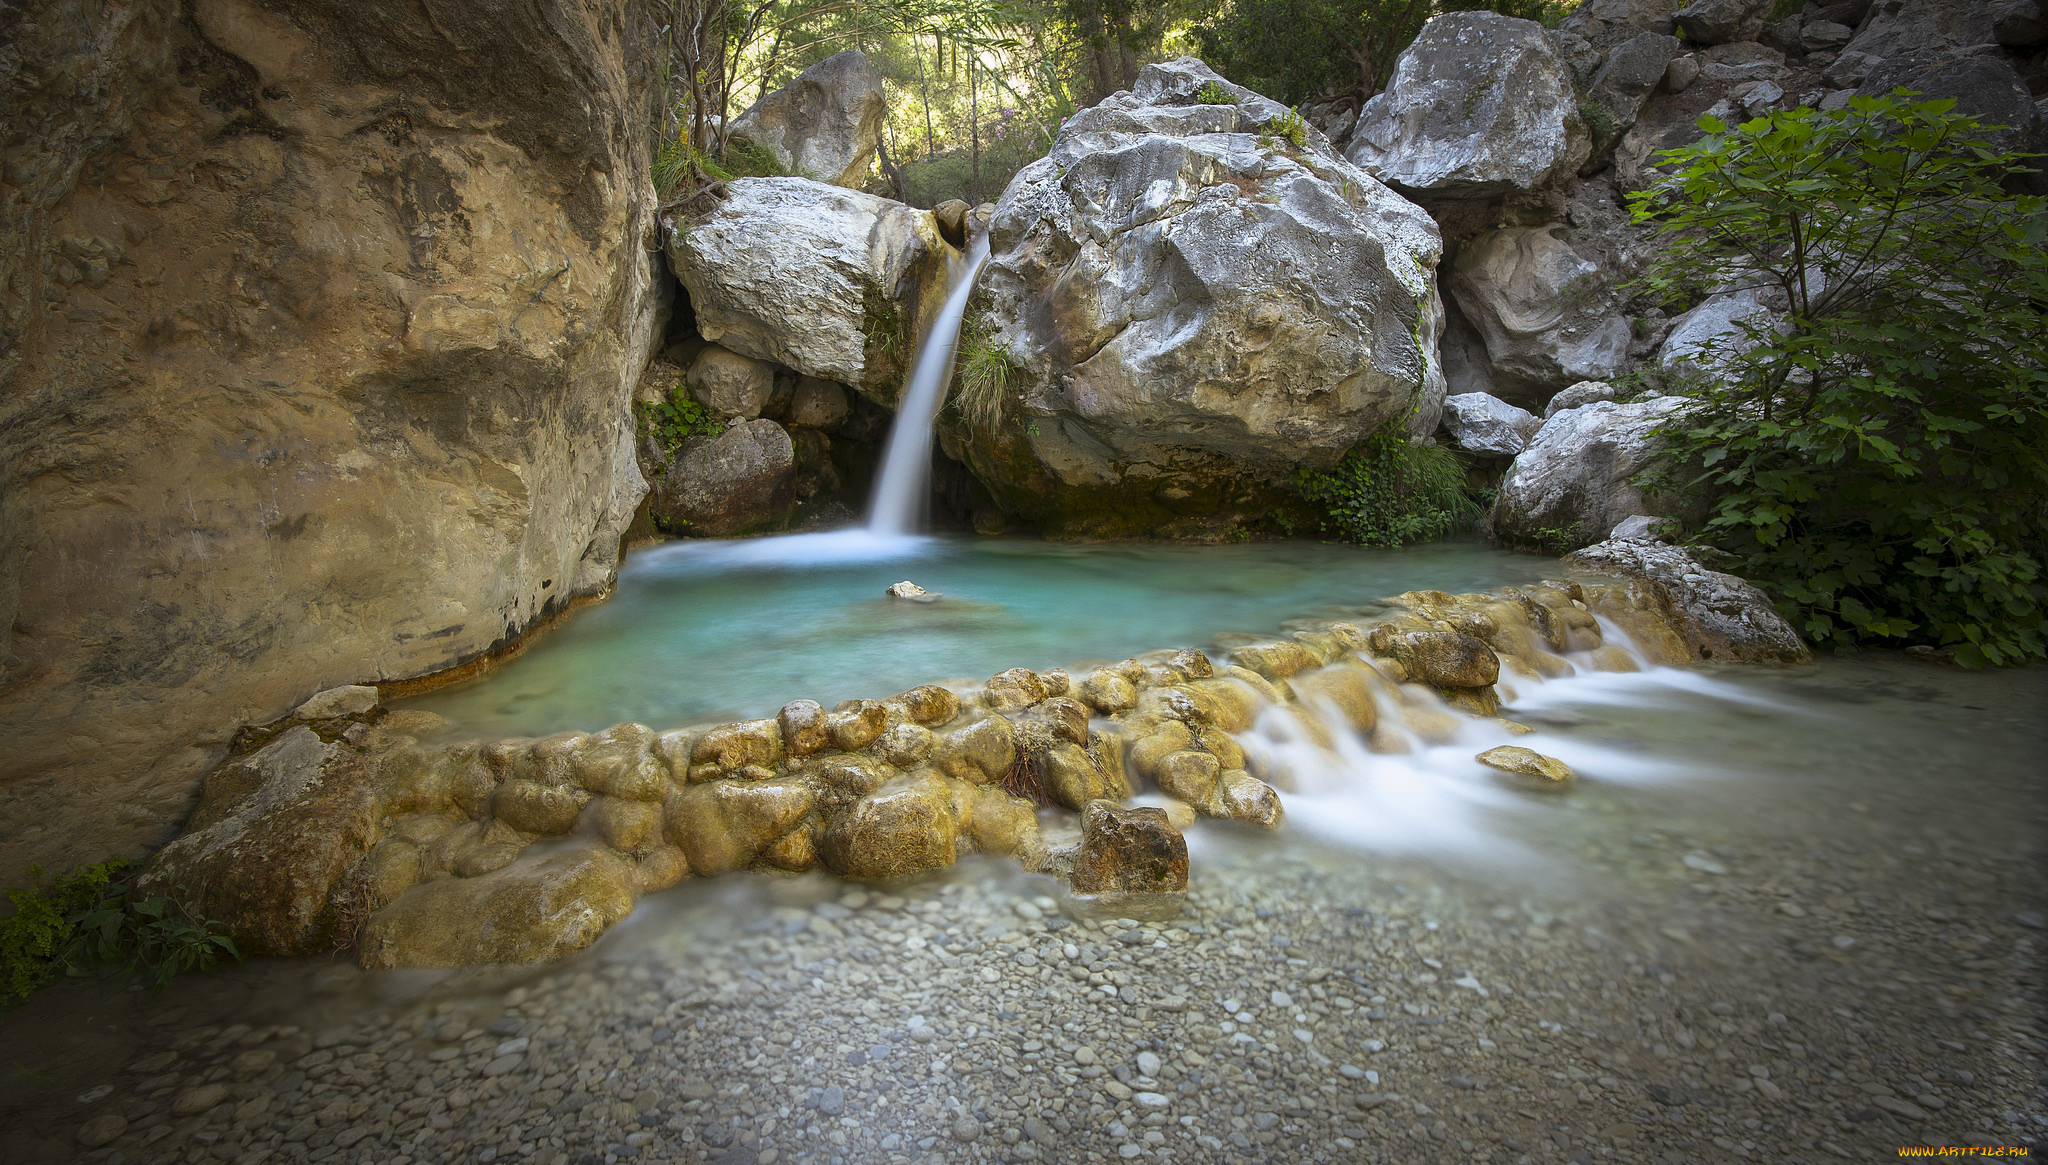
(1388, 492)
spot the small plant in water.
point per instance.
(88, 918)
(1388, 491)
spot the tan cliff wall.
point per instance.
(318, 327)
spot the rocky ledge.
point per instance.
(338, 827)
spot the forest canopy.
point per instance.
(978, 88)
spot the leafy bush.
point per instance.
(1213, 94)
(88, 918)
(1290, 127)
(677, 418)
(1388, 491)
(1876, 458)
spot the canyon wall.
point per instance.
(319, 323)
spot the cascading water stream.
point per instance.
(897, 508)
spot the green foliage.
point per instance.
(87, 918)
(1213, 94)
(677, 418)
(1290, 127)
(1597, 118)
(677, 164)
(983, 378)
(1876, 460)
(1388, 491)
(746, 158)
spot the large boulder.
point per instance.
(1722, 618)
(826, 124)
(1982, 83)
(1195, 305)
(1716, 22)
(321, 326)
(1898, 28)
(1606, 24)
(739, 482)
(1546, 315)
(1715, 331)
(1624, 85)
(833, 283)
(1487, 425)
(1479, 106)
(547, 903)
(1573, 483)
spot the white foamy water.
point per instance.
(1423, 793)
(900, 487)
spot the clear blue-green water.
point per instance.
(701, 631)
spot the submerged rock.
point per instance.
(1479, 106)
(1542, 771)
(1194, 305)
(826, 124)
(1723, 618)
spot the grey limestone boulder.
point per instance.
(1608, 23)
(1480, 105)
(1715, 331)
(729, 384)
(1585, 392)
(826, 124)
(1546, 315)
(1573, 483)
(833, 283)
(1196, 307)
(1982, 83)
(1722, 618)
(1623, 86)
(1897, 28)
(1487, 425)
(739, 482)
(1714, 22)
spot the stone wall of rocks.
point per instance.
(340, 827)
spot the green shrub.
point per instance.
(1388, 491)
(677, 418)
(87, 918)
(982, 379)
(747, 158)
(1875, 461)
(1291, 128)
(1213, 94)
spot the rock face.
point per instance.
(321, 325)
(1480, 105)
(1488, 426)
(826, 124)
(1546, 315)
(739, 482)
(1723, 618)
(1624, 85)
(1571, 485)
(1714, 332)
(833, 283)
(1606, 24)
(1714, 22)
(1195, 306)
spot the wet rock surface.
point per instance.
(1757, 967)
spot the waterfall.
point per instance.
(898, 505)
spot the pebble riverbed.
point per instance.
(1820, 941)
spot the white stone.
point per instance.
(1478, 104)
(824, 125)
(1714, 332)
(1484, 424)
(1574, 478)
(1546, 314)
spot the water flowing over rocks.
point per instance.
(1195, 306)
(524, 850)
(320, 308)
(1479, 106)
(835, 284)
(826, 125)
(1723, 618)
